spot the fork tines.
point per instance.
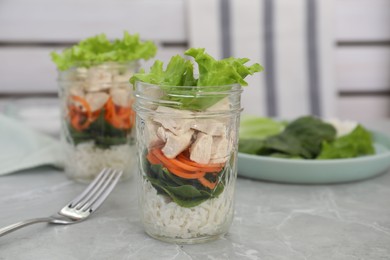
(97, 191)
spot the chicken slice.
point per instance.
(219, 150)
(96, 100)
(150, 131)
(122, 77)
(120, 97)
(221, 105)
(174, 120)
(76, 91)
(163, 134)
(210, 127)
(200, 150)
(176, 144)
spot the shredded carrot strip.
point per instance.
(207, 183)
(76, 114)
(174, 168)
(152, 158)
(84, 103)
(119, 117)
(184, 175)
(204, 167)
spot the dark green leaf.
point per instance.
(357, 143)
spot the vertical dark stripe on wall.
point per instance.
(269, 62)
(312, 56)
(225, 28)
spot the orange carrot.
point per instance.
(152, 158)
(84, 103)
(185, 174)
(204, 167)
(77, 115)
(191, 176)
(119, 117)
(207, 183)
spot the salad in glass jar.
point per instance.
(187, 129)
(96, 103)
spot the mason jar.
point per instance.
(97, 119)
(187, 156)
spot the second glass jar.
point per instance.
(98, 119)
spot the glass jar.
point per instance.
(187, 156)
(97, 119)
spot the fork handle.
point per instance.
(16, 226)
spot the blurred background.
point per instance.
(325, 57)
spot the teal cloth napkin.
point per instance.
(22, 147)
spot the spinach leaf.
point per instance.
(302, 137)
(356, 143)
(184, 192)
(102, 133)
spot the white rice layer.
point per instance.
(164, 218)
(85, 160)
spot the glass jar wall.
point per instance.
(187, 160)
(97, 119)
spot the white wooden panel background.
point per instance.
(29, 30)
(363, 58)
(362, 20)
(363, 68)
(72, 20)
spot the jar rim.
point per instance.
(233, 85)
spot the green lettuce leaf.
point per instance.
(357, 143)
(253, 130)
(213, 77)
(99, 49)
(223, 72)
(254, 127)
(250, 146)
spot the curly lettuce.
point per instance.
(214, 76)
(99, 49)
(357, 143)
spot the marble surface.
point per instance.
(272, 221)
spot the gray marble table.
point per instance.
(272, 221)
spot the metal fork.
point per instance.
(80, 207)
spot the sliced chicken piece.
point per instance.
(76, 90)
(151, 128)
(96, 100)
(221, 105)
(99, 75)
(200, 150)
(219, 150)
(163, 134)
(177, 143)
(174, 120)
(98, 79)
(120, 96)
(122, 77)
(210, 127)
(81, 73)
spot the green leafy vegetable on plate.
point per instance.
(304, 138)
(357, 143)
